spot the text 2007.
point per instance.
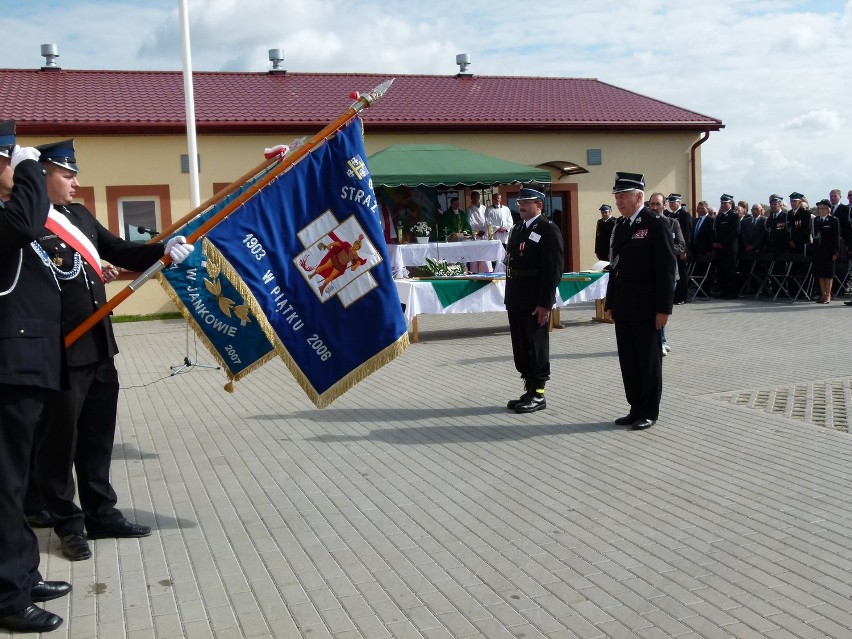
(321, 349)
(254, 246)
(232, 353)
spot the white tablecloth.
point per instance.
(420, 296)
(403, 255)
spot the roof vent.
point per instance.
(276, 57)
(50, 52)
(463, 60)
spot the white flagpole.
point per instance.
(192, 152)
(189, 99)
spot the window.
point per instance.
(135, 215)
(131, 207)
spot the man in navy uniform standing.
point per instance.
(32, 363)
(535, 256)
(676, 210)
(603, 233)
(639, 297)
(78, 428)
(726, 241)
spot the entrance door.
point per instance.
(558, 208)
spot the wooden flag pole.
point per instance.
(361, 103)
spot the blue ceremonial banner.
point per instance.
(213, 307)
(307, 255)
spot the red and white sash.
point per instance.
(63, 227)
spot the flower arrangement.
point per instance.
(421, 229)
(441, 268)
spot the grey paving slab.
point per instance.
(417, 506)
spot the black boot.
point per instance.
(534, 403)
(528, 393)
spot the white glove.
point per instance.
(21, 153)
(178, 249)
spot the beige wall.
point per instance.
(155, 160)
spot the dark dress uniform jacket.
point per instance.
(727, 227)
(31, 349)
(799, 223)
(778, 233)
(533, 268)
(641, 280)
(826, 245)
(603, 234)
(83, 296)
(31, 366)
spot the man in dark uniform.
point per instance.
(777, 232)
(639, 297)
(32, 363)
(79, 424)
(777, 235)
(533, 270)
(676, 210)
(603, 232)
(725, 245)
(799, 223)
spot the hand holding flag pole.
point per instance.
(361, 102)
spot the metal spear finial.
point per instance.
(368, 99)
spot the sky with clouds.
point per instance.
(777, 73)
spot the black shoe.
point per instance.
(534, 403)
(523, 398)
(120, 529)
(626, 420)
(31, 619)
(75, 547)
(47, 590)
(642, 424)
(41, 519)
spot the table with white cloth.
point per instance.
(404, 255)
(484, 294)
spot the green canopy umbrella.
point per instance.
(446, 165)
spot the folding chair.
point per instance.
(764, 265)
(748, 274)
(842, 277)
(698, 270)
(797, 278)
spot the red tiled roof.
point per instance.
(77, 102)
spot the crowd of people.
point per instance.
(58, 405)
(736, 247)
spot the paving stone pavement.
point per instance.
(417, 506)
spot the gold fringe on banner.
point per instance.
(320, 400)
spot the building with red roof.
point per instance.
(130, 133)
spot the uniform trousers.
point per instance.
(726, 270)
(530, 347)
(641, 362)
(77, 433)
(682, 284)
(20, 410)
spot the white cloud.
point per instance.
(817, 122)
(773, 71)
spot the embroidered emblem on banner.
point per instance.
(227, 306)
(337, 259)
(357, 168)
